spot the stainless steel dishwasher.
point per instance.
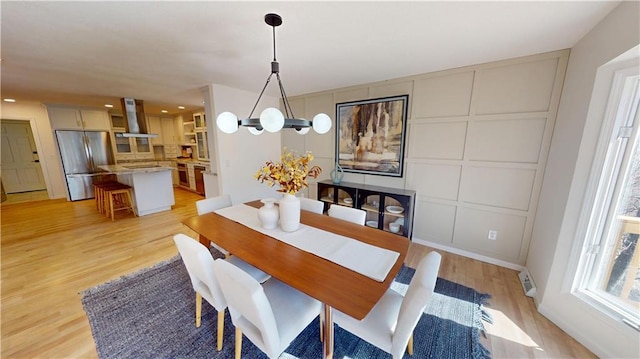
(197, 170)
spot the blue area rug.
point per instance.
(150, 314)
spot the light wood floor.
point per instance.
(54, 249)
(26, 197)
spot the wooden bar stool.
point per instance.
(118, 198)
(99, 194)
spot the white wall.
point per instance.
(240, 155)
(36, 114)
(563, 189)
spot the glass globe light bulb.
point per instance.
(321, 123)
(227, 122)
(303, 130)
(271, 119)
(254, 131)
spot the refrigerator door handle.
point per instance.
(87, 148)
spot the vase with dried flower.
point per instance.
(291, 175)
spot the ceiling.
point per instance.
(92, 53)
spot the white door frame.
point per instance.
(39, 149)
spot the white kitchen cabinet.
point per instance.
(73, 118)
(128, 148)
(169, 131)
(65, 118)
(118, 122)
(143, 146)
(199, 127)
(165, 128)
(125, 157)
(199, 121)
(170, 151)
(95, 120)
(202, 148)
(189, 133)
(192, 176)
(155, 126)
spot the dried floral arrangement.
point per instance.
(290, 173)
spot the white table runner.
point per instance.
(371, 261)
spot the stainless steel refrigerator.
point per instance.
(82, 152)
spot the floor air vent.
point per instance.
(527, 283)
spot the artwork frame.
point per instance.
(370, 135)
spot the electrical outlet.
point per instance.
(493, 234)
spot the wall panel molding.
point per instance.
(476, 148)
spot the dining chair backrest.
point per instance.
(415, 301)
(212, 204)
(350, 214)
(199, 263)
(250, 305)
(311, 205)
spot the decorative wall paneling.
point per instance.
(477, 143)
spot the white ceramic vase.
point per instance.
(268, 214)
(289, 212)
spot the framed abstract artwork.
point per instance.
(370, 135)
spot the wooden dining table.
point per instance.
(332, 284)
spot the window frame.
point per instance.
(611, 157)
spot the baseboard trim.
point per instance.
(574, 332)
(468, 254)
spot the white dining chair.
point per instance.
(311, 205)
(199, 263)
(390, 324)
(271, 315)
(350, 214)
(213, 204)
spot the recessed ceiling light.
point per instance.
(9, 100)
(180, 107)
(164, 111)
(108, 105)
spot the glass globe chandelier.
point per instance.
(272, 119)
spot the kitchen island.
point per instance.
(151, 185)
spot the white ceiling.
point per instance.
(89, 53)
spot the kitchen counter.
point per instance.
(193, 161)
(152, 186)
(134, 168)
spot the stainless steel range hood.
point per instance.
(133, 112)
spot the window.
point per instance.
(609, 276)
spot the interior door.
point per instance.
(21, 170)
